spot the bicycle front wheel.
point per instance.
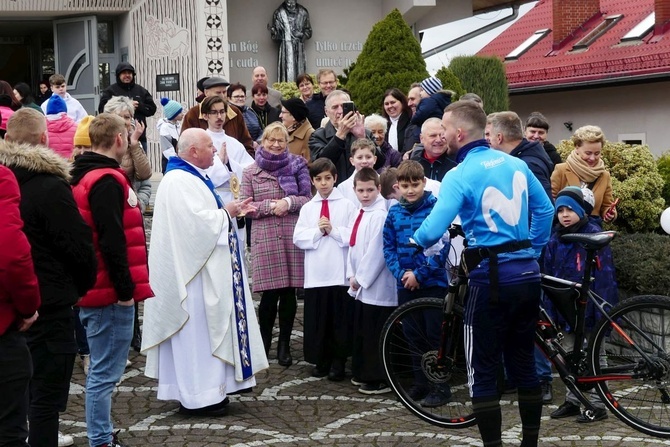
(432, 385)
(638, 391)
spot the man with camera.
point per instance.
(125, 86)
(333, 141)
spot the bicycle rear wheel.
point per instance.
(641, 396)
(432, 387)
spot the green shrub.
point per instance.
(635, 180)
(663, 164)
(391, 57)
(287, 89)
(640, 270)
(484, 76)
(450, 82)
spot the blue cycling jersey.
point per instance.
(498, 199)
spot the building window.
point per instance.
(641, 29)
(633, 138)
(527, 44)
(105, 37)
(601, 29)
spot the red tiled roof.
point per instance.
(606, 59)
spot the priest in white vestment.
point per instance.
(201, 335)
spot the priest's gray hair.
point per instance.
(188, 139)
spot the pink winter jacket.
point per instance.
(5, 113)
(61, 134)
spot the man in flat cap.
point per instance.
(234, 125)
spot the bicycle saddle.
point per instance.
(590, 241)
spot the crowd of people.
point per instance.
(281, 197)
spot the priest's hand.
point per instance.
(236, 207)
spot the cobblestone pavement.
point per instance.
(290, 408)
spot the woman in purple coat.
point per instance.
(279, 185)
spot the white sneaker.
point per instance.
(128, 363)
(86, 363)
(65, 440)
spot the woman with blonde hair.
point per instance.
(279, 184)
(585, 168)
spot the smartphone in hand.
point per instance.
(348, 106)
(611, 208)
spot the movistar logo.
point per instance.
(509, 210)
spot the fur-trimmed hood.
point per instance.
(34, 159)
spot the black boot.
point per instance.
(267, 311)
(287, 310)
(284, 352)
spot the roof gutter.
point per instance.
(579, 85)
(472, 34)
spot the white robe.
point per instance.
(325, 256)
(191, 327)
(366, 259)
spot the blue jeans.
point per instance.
(109, 330)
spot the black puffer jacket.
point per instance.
(61, 242)
(537, 160)
(146, 107)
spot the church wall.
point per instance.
(339, 30)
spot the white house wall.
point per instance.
(623, 110)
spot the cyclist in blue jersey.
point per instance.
(506, 217)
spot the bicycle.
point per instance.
(627, 359)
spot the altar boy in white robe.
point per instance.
(232, 157)
(370, 282)
(323, 231)
(201, 336)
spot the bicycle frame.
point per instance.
(571, 367)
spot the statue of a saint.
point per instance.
(291, 28)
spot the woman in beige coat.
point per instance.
(585, 168)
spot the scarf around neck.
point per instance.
(586, 173)
(286, 168)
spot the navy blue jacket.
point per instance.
(538, 161)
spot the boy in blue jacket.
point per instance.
(417, 274)
(567, 260)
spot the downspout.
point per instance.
(475, 33)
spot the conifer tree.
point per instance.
(484, 76)
(450, 82)
(391, 57)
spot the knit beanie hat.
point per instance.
(571, 197)
(171, 108)
(296, 107)
(431, 85)
(56, 105)
(81, 137)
